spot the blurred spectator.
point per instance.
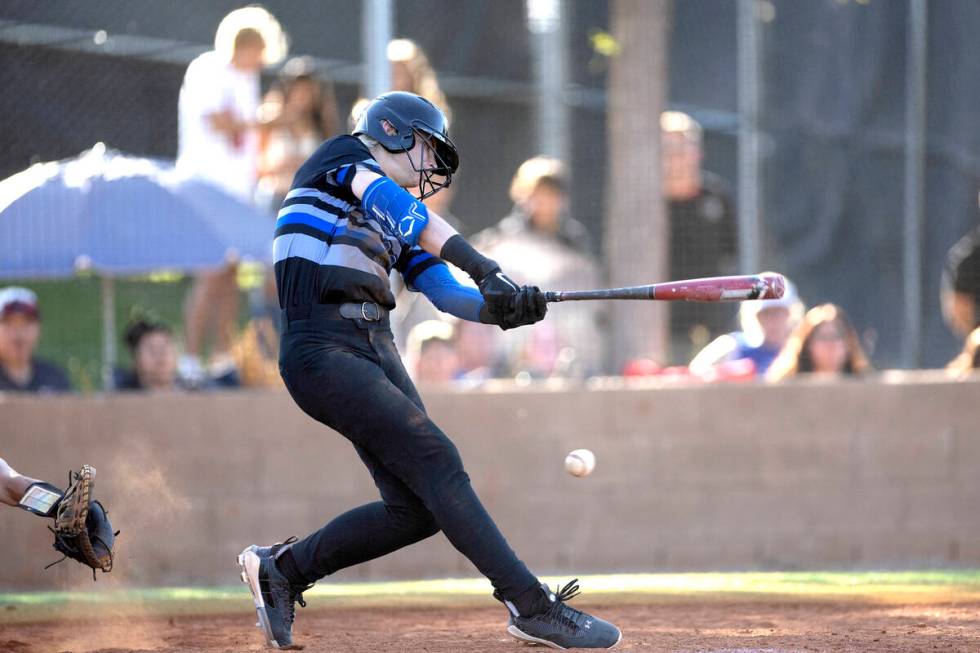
(432, 352)
(540, 244)
(154, 352)
(256, 352)
(438, 351)
(703, 230)
(968, 360)
(217, 116)
(824, 343)
(219, 141)
(476, 352)
(539, 192)
(153, 349)
(412, 72)
(151, 345)
(20, 332)
(961, 285)
(766, 326)
(297, 114)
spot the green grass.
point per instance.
(900, 586)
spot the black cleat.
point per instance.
(270, 551)
(274, 596)
(561, 626)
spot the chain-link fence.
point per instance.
(830, 132)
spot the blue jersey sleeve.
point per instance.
(429, 275)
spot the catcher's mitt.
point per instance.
(82, 530)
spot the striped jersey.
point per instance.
(327, 249)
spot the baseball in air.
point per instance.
(580, 462)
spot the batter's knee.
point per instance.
(415, 520)
(443, 470)
(451, 484)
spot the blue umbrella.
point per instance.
(120, 215)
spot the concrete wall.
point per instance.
(724, 477)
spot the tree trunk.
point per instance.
(636, 236)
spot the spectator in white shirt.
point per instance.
(219, 142)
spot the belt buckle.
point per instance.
(377, 314)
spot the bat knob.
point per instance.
(775, 286)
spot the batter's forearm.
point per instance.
(435, 234)
(449, 296)
(461, 254)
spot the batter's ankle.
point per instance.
(286, 564)
(531, 602)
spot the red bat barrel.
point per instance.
(722, 289)
(712, 289)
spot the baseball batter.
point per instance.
(346, 223)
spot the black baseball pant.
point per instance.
(347, 374)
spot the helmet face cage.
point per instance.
(391, 108)
(433, 179)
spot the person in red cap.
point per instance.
(20, 331)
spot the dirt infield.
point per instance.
(717, 625)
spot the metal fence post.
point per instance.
(915, 138)
(376, 28)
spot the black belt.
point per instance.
(367, 311)
(364, 310)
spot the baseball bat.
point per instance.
(711, 289)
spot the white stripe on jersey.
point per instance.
(302, 192)
(326, 198)
(309, 210)
(349, 256)
(300, 246)
(317, 251)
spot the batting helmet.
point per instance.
(393, 119)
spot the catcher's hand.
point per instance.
(82, 530)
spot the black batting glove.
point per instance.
(505, 303)
(529, 306)
(499, 292)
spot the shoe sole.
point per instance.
(519, 634)
(249, 562)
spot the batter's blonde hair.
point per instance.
(425, 82)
